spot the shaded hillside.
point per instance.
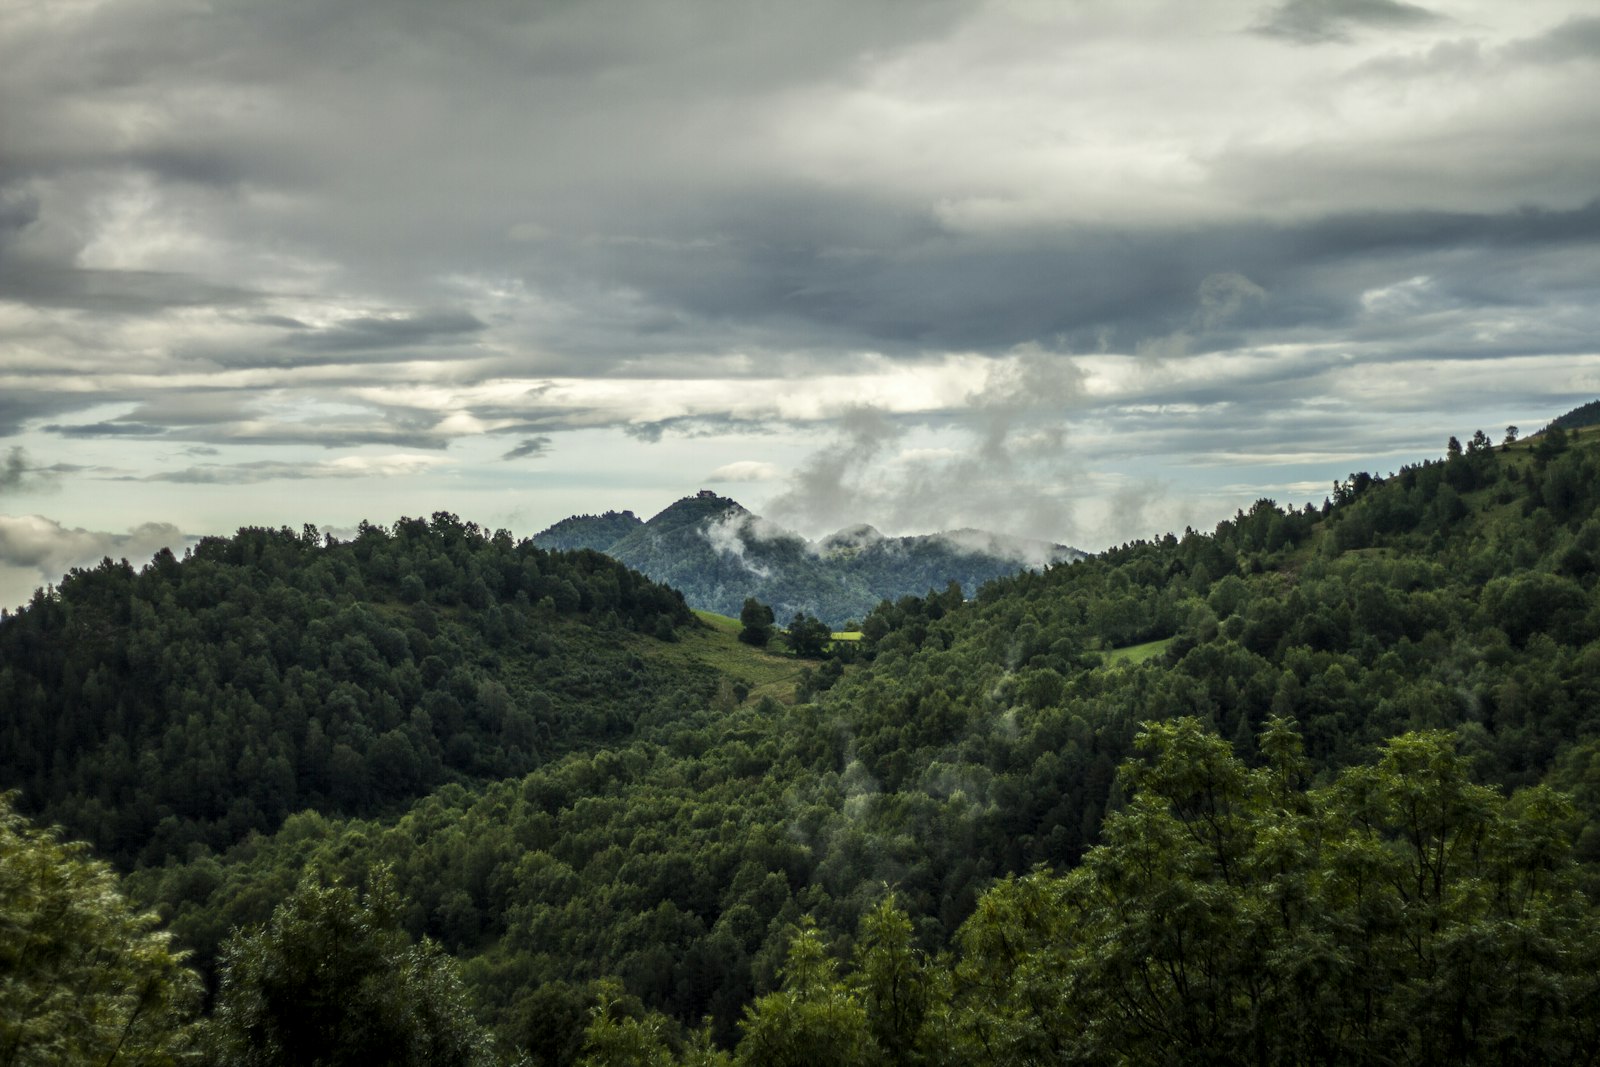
(718, 553)
(198, 700)
(597, 532)
(1587, 415)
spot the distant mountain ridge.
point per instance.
(718, 552)
(589, 531)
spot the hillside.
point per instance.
(718, 553)
(199, 700)
(1425, 642)
(597, 532)
(1587, 415)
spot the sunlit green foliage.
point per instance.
(84, 977)
(332, 979)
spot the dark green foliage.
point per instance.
(807, 636)
(84, 977)
(333, 980)
(756, 620)
(652, 877)
(1400, 915)
(195, 702)
(1585, 415)
(597, 532)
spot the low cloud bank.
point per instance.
(36, 551)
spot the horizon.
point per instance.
(1080, 274)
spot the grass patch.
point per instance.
(726, 624)
(717, 646)
(847, 635)
(1138, 653)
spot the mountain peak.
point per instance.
(704, 504)
(717, 552)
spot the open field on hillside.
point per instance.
(1137, 653)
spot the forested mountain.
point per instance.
(1278, 793)
(718, 553)
(597, 532)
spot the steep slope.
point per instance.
(718, 553)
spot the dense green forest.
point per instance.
(597, 532)
(717, 553)
(194, 702)
(1350, 813)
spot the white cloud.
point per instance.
(35, 551)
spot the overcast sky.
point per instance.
(1084, 270)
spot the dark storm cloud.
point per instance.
(125, 292)
(1086, 289)
(1318, 21)
(641, 238)
(18, 407)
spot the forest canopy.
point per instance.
(1166, 798)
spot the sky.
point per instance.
(1085, 270)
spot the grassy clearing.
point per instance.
(718, 647)
(1138, 653)
(847, 635)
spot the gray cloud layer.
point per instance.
(35, 550)
(1320, 21)
(405, 225)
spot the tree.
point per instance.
(333, 979)
(84, 978)
(892, 983)
(757, 620)
(619, 1034)
(1403, 915)
(807, 636)
(812, 1019)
